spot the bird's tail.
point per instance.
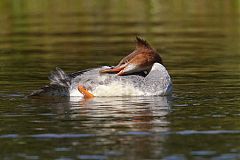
(59, 77)
(59, 85)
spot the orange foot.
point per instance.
(85, 92)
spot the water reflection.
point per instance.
(138, 113)
(111, 123)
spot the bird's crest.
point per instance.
(141, 43)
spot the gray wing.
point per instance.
(75, 74)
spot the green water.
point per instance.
(201, 50)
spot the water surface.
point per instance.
(199, 43)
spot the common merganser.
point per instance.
(139, 74)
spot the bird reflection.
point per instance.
(138, 113)
(141, 113)
(116, 121)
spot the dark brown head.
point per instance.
(143, 46)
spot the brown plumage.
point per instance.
(141, 59)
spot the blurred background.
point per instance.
(199, 42)
(37, 36)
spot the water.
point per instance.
(201, 47)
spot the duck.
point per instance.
(141, 73)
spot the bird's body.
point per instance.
(156, 82)
(141, 73)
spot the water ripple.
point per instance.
(121, 133)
